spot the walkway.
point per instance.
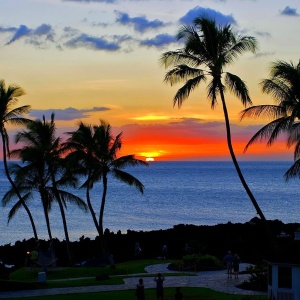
(216, 280)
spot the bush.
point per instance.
(258, 280)
(195, 262)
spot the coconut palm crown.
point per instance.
(283, 85)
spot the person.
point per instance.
(139, 292)
(236, 265)
(178, 295)
(137, 249)
(228, 259)
(34, 258)
(164, 251)
(159, 279)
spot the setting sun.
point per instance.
(149, 159)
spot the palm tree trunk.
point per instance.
(102, 240)
(269, 235)
(88, 199)
(63, 216)
(237, 167)
(4, 147)
(104, 181)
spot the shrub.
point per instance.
(258, 280)
(195, 262)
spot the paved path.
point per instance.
(216, 280)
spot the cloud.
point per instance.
(209, 13)
(22, 31)
(140, 24)
(8, 29)
(33, 36)
(159, 41)
(67, 114)
(288, 11)
(90, 42)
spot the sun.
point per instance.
(149, 159)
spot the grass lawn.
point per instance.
(189, 294)
(72, 277)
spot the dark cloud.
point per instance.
(159, 41)
(33, 36)
(8, 29)
(22, 31)
(94, 43)
(140, 24)
(288, 11)
(209, 13)
(66, 114)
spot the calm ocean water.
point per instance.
(200, 193)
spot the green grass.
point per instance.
(189, 294)
(87, 277)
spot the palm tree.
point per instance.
(213, 47)
(12, 115)
(44, 170)
(284, 87)
(95, 150)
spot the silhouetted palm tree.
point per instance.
(43, 170)
(93, 150)
(284, 88)
(9, 114)
(214, 48)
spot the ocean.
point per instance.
(199, 193)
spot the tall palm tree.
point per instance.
(95, 151)
(9, 114)
(214, 48)
(44, 170)
(284, 87)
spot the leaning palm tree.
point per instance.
(284, 87)
(44, 171)
(95, 152)
(12, 115)
(214, 48)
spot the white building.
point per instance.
(284, 273)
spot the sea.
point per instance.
(194, 192)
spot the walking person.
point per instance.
(159, 279)
(228, 259)
(236, 265)
(140, 290)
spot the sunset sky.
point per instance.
(98, 59)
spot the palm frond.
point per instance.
(184, 92)
(293, 171)
(128, 179)
(266, 111)
(270, 132)
(239, 88)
